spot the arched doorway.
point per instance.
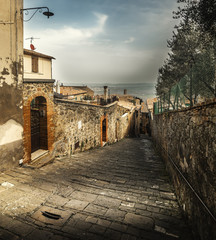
(39, 138)
(104, 128)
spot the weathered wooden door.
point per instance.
(39, 139)
(35, 130)
(104, 130)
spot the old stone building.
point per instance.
(81, 126)
(73, 93)
(89, 91)
(77, 93)
(32, 122)
(11, 70)
(38, 105)
(63, 126)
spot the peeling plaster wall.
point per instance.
(11, 131)
(11, 78)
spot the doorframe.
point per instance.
(27, 125)
(104, 117)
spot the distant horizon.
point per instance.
(140, 90)
(104, 84)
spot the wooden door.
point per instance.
(104, 130)
(35, 130)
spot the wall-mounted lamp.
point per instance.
(37, 9)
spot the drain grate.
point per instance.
(51, 215)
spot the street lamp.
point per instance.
(36, 9)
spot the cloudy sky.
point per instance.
(103, 41)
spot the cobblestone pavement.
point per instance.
(117, 192)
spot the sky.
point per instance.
(103, 41)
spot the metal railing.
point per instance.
(195, 87)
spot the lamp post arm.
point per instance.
(36, 10)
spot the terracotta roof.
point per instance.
(126, 104)
(86, 88)
(68, 90)
(37, 54)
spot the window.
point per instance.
(34, 64)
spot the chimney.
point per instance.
(58, 87)
(125, 91)
(105, 93)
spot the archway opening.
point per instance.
(39, 138)
(104, 131)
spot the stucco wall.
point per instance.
(189, 136)
(11, 76)
(44, 68)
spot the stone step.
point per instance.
(42, 160)
(38, 154)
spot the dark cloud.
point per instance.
(104, 40)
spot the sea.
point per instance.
(140, 90)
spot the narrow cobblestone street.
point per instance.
(120, 191)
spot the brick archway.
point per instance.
(27, 124)
(104, 131)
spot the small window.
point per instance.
(34, 64)
(76, 145)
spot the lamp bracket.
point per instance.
(36, 9)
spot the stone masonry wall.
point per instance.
(78, 126)
(128, 122)
(123, 126)
(189, 136)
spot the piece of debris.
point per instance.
(160, 229)
(7, 185)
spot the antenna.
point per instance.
(31, 40)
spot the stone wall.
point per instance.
(11, 70)
(74, 126)
(128, 122)
(123, 126)
(189, 137)
(78, 126)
